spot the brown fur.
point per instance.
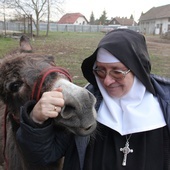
(18, 73)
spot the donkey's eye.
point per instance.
(14, 87)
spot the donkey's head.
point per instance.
(20, 72)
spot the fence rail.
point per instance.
(19, 26)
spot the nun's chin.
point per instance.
(115, 92)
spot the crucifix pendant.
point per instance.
(126, 150)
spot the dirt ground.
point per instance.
(159, 50)
(158, 45)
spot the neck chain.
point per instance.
(126, 150)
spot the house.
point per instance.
(73, 18)
(156, 20)
(124, 21)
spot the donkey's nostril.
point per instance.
(67, 108)
(88, 128)
(68, 111)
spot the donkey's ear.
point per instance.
(25, 46)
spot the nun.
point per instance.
(132, 120)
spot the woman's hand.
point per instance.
(49, 106)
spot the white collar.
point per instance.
(137, 111)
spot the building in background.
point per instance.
(124, 21)
(156, 20)
(73, 18)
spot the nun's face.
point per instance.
(115, 78)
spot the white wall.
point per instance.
(165, 25)
(81, 21)
(150, 27)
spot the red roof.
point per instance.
(70, 18)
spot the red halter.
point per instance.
(38, 85)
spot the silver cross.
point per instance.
(126, 150)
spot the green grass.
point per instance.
(70, 49)
(7, 45)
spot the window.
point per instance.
(169, 27)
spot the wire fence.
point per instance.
(21, 27)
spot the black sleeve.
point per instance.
(40, 144)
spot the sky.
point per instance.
(113, 8)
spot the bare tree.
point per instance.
(3, 7)
(28, 7)
(48, 17)
(55, 7)
(37, 8)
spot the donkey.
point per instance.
(25, 76)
